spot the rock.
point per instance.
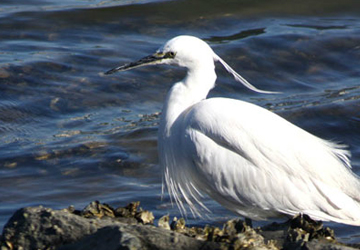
(137, 237)
(164, 222)
(44, 228)
(96, 209)
(99, 226)
(128, 211)
(178, 225)
(131, 211)
(107, 238)
(145, 217)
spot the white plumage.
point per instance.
(245, 157)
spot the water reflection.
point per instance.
(237, 36)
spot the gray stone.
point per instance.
(43, 228)
(137, 237)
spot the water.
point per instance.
(69, 135)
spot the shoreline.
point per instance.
(101, 226)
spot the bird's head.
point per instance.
(189, 52)
(184, 51)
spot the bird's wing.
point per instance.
(249, 156)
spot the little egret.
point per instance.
(250, 160)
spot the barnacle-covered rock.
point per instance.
(97, 209)
(127, 211)
(145, 217)
(164, 222)
(302, 229)
(178, 225)
(102, 227)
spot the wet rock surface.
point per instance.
(100, 226)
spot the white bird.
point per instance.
(250, 160)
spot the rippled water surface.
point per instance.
(69, 135)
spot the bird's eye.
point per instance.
(170, 54)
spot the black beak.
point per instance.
(148, 60)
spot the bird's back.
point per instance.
(257, 164)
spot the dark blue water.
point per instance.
(69, 135)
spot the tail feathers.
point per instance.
(318, 215)
(339, 207)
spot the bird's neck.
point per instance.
(184, 94)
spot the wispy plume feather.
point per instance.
(241, 79)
